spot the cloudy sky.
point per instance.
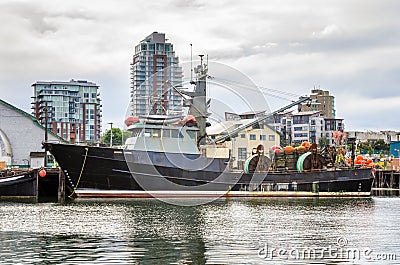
(351, 48)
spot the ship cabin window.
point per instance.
(172, 134)
(166, 133)
(156, 133)
(136, 132)
(147, 132)
(192, 134)
(152, 133)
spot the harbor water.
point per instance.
(225, 231)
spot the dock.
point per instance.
(386, 183)
(35, 185)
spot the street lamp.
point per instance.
(111, 133)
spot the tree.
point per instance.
(116, 137)
(126, 135)
(323, 141)
(364, 147)
(381, 146)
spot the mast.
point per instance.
(198, 108)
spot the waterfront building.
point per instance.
(153, 64)
(73, 109)
(245, 143)
(312, 122)
(308, 126)
(371, 136)
(16, 149)
(321, 101)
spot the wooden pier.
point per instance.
(386, 183)
(52, 186)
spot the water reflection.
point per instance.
(222, 232)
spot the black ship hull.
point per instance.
(117, 173)
(20, 186)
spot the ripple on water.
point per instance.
(222, 232)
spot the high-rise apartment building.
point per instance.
(73, 109)
(154, 67)
(321, 101)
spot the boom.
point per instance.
(261, 119)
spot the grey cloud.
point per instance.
(338, 44)
(39, 17)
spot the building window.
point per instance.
(263, 137)
(253, 137)
(300, 135)
(243, 135)
(242, 153)
(271, 138)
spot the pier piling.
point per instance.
(387, 182)
(61, 186)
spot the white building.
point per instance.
(387, 136)
(308, 126)
(21, 135)
(243, 145)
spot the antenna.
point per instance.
(191, 63)
(201, 59)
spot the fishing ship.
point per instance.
(170, 157)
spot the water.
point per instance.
(236, 231)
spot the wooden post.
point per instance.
(36, 173)
(391, 180)
(61, 186)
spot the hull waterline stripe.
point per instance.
(207, 194)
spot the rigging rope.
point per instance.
(264, 90)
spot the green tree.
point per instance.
(365, 147)
(125, 135)
(323, 141)
(381, 146)
(116, 137)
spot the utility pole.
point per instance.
(111, 133)
(46, 117)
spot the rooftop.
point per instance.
(72, 82)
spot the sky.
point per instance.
(351, 48)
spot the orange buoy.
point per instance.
(42, 173)
(306, 144)
(288, 149)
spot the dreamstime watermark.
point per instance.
(340, 250)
